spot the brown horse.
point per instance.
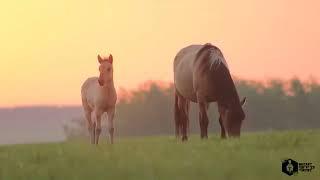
(201, 75)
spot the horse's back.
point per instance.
(183, 71)
(90, 84)
(88, 91)
(195, 71)
(186, 54)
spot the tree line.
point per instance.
(276, 105)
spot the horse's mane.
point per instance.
(205, 63)
(204, 57)
(207, 52)
(204, 49)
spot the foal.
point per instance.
(99, 96)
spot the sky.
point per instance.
(49, 48)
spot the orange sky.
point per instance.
(48, 48)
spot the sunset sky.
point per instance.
(48, 48)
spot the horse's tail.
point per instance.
(188, 120)
(177, 117)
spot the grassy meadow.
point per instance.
(253, 156)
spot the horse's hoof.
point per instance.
(204, 136)
(184, 138)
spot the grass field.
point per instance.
(254, 156)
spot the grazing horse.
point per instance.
(201, 75)
(99, 96)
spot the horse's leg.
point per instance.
(98, 126)
(177, 115)
(183, 116)
(110, 124)
(223, 132)
(93, 128)
(203, 119)
(222, 114)
(87, 113)
(185, 124)
(89, 124)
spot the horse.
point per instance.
(99, 96)
(202, 76)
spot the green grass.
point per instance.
(253, 156)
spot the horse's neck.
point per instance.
(230, 99)
(108, 87)
(227, 90)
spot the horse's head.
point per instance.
(106, 70)
(232, 116)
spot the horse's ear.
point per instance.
(243, 101)
(110, 59)
(100, 59)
